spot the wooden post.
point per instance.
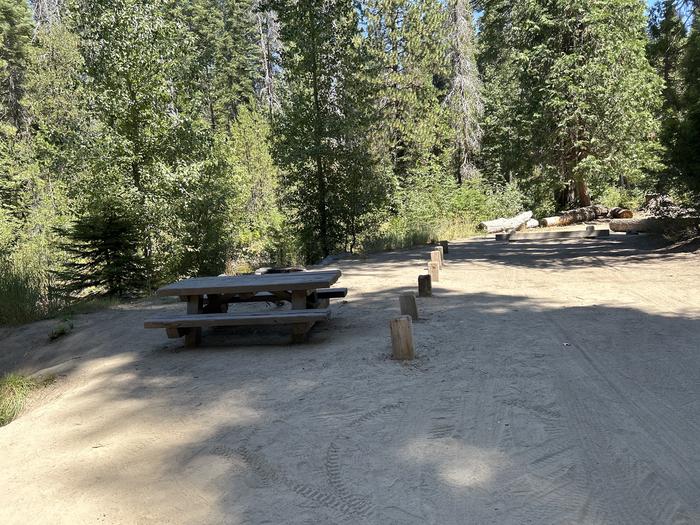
(442, 254)
(299, 330)
(402, 338)
(434, 271)
(445, 246)
(425, 286)
(407, 302)
(435, 257)
(195, 305)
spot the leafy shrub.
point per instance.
(614, 196)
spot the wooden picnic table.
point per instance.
(208, 298)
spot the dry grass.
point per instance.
(14, 391)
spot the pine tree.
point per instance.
(225, 55)
(666, 48)
(409, 43)
(103, 245)
(570, 92)
(15, 38)
(687, 151)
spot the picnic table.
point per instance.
(208, 300)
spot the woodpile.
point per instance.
(503, 224)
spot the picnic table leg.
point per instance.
(195, 305)
(299, 330)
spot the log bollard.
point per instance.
(445, 246)
(442, 255)
(407, 302)
(435, 257)
(434, 271)
(402, 337)
(425, 286)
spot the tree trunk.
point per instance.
(582, 193)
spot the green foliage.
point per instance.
(687, 151)
(15, 37)
(103, 244)
(614, 196)
(14, 391)
(570, 93)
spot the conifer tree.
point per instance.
(15, 37)
(687, 151)
(570, 92)
(321, 142)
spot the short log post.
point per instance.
(434, 271)
(590, 230)
(402, 338)
(407, 302)
(435, 257)
(442, 254)
(445, 247)
(425, 286)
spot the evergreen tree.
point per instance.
(104, 248)
(687, 151)
(409, 43)
(315, 123)
(570, 92)
(225, 56)
(15, 38)
(666, 48)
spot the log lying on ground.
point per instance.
(589, 213)
(653, 225)
(620, 213)
(513, 223)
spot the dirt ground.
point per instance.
(556, 382)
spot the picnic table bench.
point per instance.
(208, 300)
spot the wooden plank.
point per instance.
(247, 319)
(331, 293)
(229, 284)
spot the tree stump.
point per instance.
(407, 302)
(435, 257)
(402, 338)
(445, 247)
(425, 286)
(434, 271)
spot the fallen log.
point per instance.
(588, 213)
(653, 224)
(620, 213)
(503, 224)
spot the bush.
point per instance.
(14, 391)
(26, 293)
(614, 196)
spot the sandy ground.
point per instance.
(555, 383)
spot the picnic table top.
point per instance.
(269, 282)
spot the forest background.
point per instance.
(146, 140)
